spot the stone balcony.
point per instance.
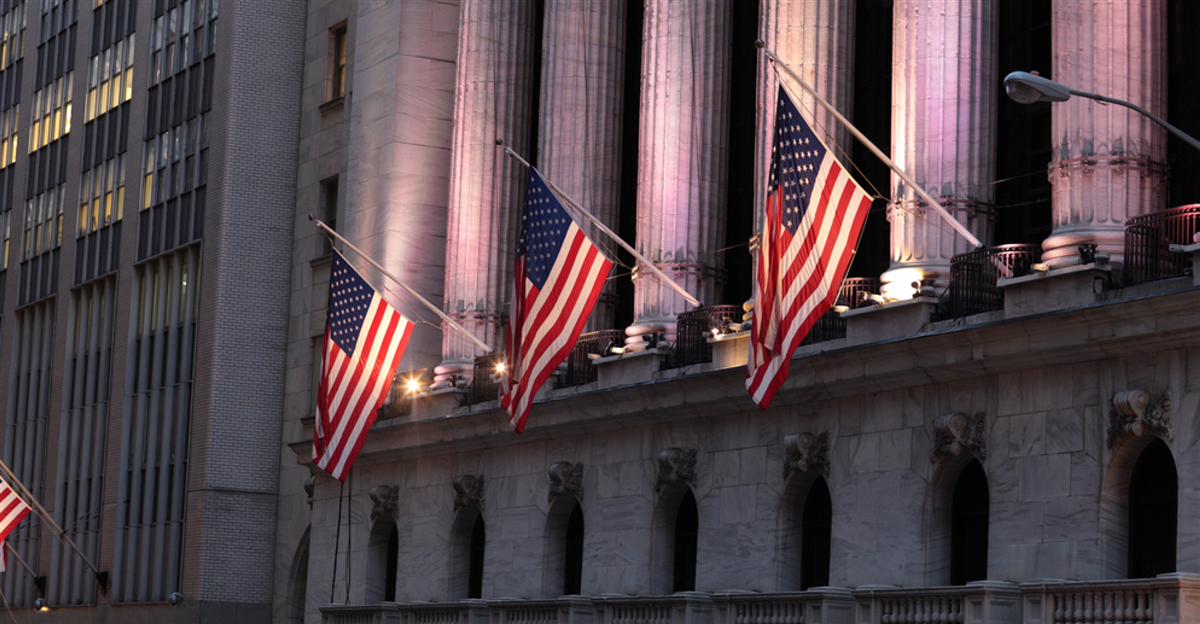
(1167, 599)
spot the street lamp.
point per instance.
(1027, 88)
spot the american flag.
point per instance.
(364, 339)
(557, 280)
(814, 214)
(12, 511)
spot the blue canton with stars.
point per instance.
(795, 161)
(349, 298)
(543, 228)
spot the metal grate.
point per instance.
(692, 331)
(973, 277)
(1148, 240)
(484, 386)
(579, 367)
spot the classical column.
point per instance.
(944, 89)
(816, 39)
(579, 138)
(1108, 160)
(494, 99)
(682, 155)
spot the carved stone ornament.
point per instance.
(805, 452)
(386, 499)
(309, 484)
(1137, 413)
(676, 465)
(468, 491)
(565, 478)
(955, 434)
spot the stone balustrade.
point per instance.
(1167, 599)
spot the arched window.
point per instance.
(466, 563)
(815, 531)
(573, 565)
(1153, 512)
(687, 526)
(383, 548)
(969, 526)
(298, 592)
(563, 569)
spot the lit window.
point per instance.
(338, 75)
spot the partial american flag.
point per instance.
(12, 511)
(557, 280)
(364, 339)
(814, 214)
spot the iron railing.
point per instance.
(484, 386)
(973, 277)
(692, 330)
(1148, 240)
(400, 397)
(831, 325)
(579, 369)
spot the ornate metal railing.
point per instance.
(579, 369)
(1148, 240)
(484, 386)
(973, 277)
(831, 325)
(400, 397)
(692, 332)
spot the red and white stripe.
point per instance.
(799, 276)
(544, 324)
(353, 388)
(12, 511)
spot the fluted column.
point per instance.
(682, 154)
(1108, 160)
(944, 89)
(579, 138)
(493, 99)
(816, 39)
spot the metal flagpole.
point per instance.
(603, 228)
(62, 535)
(337, 542)
(13, 551)
(959, 227)
(449, 321)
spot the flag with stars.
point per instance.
(814, 215)
(12, 511)
(364, 339)
(558, 278)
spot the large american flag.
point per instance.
(814, 214)
(12, 511)
(364, 339)
(558, 278)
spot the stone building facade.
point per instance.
(1006, 463)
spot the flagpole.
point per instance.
(603, 228)
(62, 535)
(449, 321)
(958, 226)
(13, 552)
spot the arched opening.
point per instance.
(676, 529)
(816, 527)
(563, 569)
(466, 564)
(969, 526)
(383, 552)
(1153, 512)
(298, 590)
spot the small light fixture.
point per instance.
(414, 385)
(41, 605)
(174, 599)
(1040, 267)
(500, 367)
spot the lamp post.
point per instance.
(1027, 88)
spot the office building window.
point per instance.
(1153, 512)
(337, 62)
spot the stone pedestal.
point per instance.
(630, 368)
(1108, 160)
(682, 154)
(494, 99)
(944, 88)
(891, 320)
(731, 350)
(1058, 289)
(579, 138)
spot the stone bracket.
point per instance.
(957, 433)
(676, 465)
(1135, 412)
(565, 478)
(386, 499)
(468, 491)
(805, 452)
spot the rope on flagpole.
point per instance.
(604, 228)
(337, 542)
(955, 223)
(444, 317)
